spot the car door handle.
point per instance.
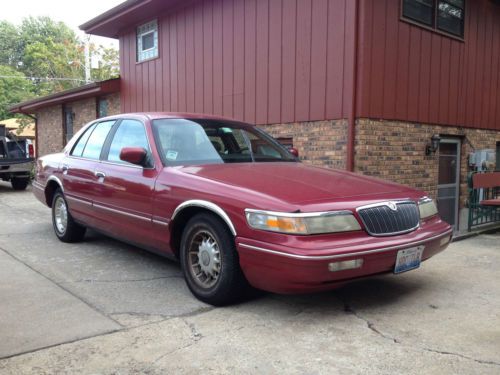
(100, 174)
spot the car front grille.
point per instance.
(384, 220)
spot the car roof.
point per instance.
(170, 115)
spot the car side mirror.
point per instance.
(294, 152)
(133, 155)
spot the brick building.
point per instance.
(60, 115)
(357, 84)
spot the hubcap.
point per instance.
(204, 259)
(60, 215)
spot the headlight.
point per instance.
(302, 223)
(427, 208)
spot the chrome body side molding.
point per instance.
(209, 206)
(57, 180)
(344, 255)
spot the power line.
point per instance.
(46, 78)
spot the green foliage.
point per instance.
(50, 50)
(51, 58)
(10, 46)
(108, 63)
(12, 90)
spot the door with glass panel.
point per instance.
(449, 180)
(125, 196)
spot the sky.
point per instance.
(71, 12)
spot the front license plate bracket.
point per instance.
(408, 259)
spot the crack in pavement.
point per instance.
(350, 310)
(195, 337)
(481, 361)
(195, 334)
(21, 234)
(83, 338)
(124, 280)
(196, 312)
(125, 329)
(173, 351)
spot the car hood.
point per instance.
(299, 183)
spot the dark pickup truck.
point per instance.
(16, 159)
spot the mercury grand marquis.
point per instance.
(235, 207)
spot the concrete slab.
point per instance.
(36, 313)
(443, 318)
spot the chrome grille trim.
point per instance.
(380, 220)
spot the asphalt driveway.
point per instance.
(103, 307)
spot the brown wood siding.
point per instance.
(411, 74)
(261, 61)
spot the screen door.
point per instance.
(449, 180)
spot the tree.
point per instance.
(108, 63)
(52, 52)
(51, 58)
(56, 66)
(14, 88)
(10, 46)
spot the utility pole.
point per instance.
(88, 78)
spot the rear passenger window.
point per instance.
(130, 133)
(80, 145)
(96, 140)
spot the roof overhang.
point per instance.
(128, 14)
(83, 92)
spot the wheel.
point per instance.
(210, 261)
(66, 229)
(19, 183)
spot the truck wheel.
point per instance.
(66, 229)
(19, 183)
(210, 261)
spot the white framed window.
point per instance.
(147, 41)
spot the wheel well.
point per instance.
(180, 221)
(50, 189)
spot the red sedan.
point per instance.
(233, 205)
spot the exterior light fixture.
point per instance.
(433, 146)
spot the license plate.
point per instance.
(408, 259)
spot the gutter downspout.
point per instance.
(351, 120)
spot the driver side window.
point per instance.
(130, 133)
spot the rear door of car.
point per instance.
(126, 190)
(78, 172)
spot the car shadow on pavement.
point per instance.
(117, 259)
(6, 188)
(366, 293)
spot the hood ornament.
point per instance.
(392, 206)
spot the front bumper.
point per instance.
(281, 269)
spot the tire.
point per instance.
(19, 183)
(217, 279)
(65, 228)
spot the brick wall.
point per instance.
(113, 104)
(396, 151)
(322, 143)
(49, 130)
(50, 121)
(85, 111)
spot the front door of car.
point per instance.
(126, 190)
(78, 171)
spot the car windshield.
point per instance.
(188, 142)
